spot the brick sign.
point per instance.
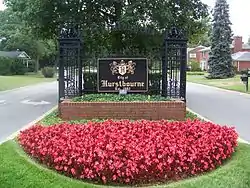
(115, 74)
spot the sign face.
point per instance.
(115, 74)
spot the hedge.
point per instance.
(9, 66)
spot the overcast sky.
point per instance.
(239, 16)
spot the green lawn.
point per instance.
(53, 118)
(12, 82)
(234, 84)
(19, 171)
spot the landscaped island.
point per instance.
(131, 152)
(124, 152)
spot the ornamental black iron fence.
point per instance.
(174, 65)
(78, 66)
(70, 62)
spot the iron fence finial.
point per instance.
(175, 33)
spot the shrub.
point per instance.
(235, 68)
(5, 66)
(48, 72)
(210, 77)
(90, 81)
(195, 66)
(11, 66)
(18, 67)
(131, 152)
(244, 71)
(116, 97)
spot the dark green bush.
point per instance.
(9, 66)
(195, 66)
(103, 97)
(18, 67)
(48, 72)
(235, 68)
(154, 87)
(90, 82)
(244, 71)
(5, 66)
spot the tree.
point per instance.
(202, 37)
(18, 36)
(220, 59)
(96, 17)
(248, 41)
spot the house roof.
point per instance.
(197, 47)
(241, 56)
(205, 49)
(190, 49)
(244, 47)
(14, 54)
(200, 46)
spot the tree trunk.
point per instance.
(37, 64)
(117, 33)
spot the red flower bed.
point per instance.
(131, 152)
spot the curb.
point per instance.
(221, 89)
(198, 115)
(12, 136)
(205, 119)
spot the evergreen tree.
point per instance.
(248, 41)
(220, 59)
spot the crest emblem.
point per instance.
(122, 68)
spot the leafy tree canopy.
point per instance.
(204, 36)
(16, 35)
(44, 17)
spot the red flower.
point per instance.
(131, 152)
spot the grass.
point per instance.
(234, 84)
(116, 97)
(12, 82)
(18, 170)
(195, 73)
(53, 118)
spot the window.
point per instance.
(193, 55)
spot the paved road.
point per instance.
(16, 110)
(221, 107)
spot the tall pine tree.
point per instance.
(220, 59)
(248, 41)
